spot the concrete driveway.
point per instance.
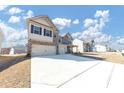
(74, 71)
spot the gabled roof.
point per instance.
(46, 18)
(68, 35)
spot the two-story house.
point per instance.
(82, 46)
(42, 36)
(67, 41)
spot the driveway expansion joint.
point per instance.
(110, 76)
(78, 75)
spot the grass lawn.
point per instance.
(15, 71)
(108, 56)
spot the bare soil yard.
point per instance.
(15, 71)
(108, 56)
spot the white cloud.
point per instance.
(76, 21)
(103, 17)
(89, 35)
(29, 14)
(88, 22)
(7, 30)
(104, 14)
(2, 7)
(76, 34)
(118, 37)
(15, 10)
(61, 23)
(121, 41)
(18, 35)
(11, 35)
(94, 27)
(14, 19)
(104, 38)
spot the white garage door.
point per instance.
(62, 49)
(43, 50)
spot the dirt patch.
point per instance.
(15, 73)
(108, 56)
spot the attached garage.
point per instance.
(43, 50)
(62, 49)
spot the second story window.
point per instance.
(47, 33)
(36, 29)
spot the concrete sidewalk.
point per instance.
(73, 71)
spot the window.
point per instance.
(36, 29)
(50, 33)
(47, 33)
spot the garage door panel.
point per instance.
(62, 49)
(42, 50)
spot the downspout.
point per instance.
(57, 43)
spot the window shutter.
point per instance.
(50, 33)
(40, 30)
(32, 27)
(44, 32)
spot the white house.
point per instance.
(43, 37)
(79, 44)
(122, 52)
(11, 51)
(100, 48)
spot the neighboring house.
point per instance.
(66, 42)
(88, 46)
(79, 44)
(111, 50)
(12, 51)
(67, 39)
(43, 38)
(9, 51)
(100, 48)
(82, 46)
(5, 50)
(122, 52)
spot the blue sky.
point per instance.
(72, 19)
